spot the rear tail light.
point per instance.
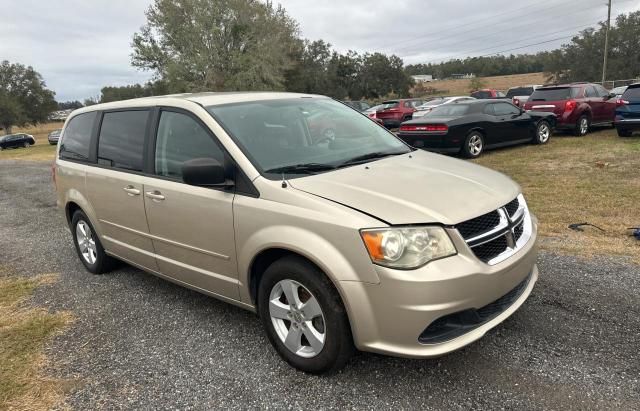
(570, 105)
(516, 102)
(621, 102)
(424, 127)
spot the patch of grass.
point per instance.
(23, 333)
(593, 179)
(41, 151)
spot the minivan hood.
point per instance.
(419, 187)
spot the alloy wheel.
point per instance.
(475, 145)
(543, 133)
(86, 242)
(297, 318)
(584, 125)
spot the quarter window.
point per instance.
(181, 138)
(77, 137)
(121, 141)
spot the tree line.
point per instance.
(579, 60)
(225, 45)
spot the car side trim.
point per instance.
(165, 240)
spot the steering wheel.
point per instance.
(328, 135)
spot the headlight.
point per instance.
(407, 247)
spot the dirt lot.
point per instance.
(140, 342)
(461, 87)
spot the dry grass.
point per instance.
(461, 87)
(591, 179)
(23, 333)
(41, 151)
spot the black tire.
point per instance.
(338, 342)
(624, 133)
(103, 263)
(579, 130)
(467, 150)
(540, 137)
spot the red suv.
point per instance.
(577, 106)
(394, 112)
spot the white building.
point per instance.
(422, 78)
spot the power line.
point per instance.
(492, 19)
(465, 53)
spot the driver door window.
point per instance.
(181, 138)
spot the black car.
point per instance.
(54, 136)
(16, 140)
(471, 127)
(358, 105)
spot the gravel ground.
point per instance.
(142, 342)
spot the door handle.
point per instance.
(131, 191)
(155, 195)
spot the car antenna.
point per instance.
(284, 183)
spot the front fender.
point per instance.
(331, 260)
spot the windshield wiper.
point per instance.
(308, 168)
(366, 157)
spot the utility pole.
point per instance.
(606, 45)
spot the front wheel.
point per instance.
(304, 317)
(624, 133)
(473, 145)
(543, 132)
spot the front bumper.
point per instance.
(390, 317)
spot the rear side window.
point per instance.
(77, 137)
(121, 141)
(181, 138)
(590, 91)
(632, 93)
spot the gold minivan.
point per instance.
(303, 210)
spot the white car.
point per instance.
(430, 105)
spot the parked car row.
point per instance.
(16, 141)
(627, 119)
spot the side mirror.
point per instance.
(205, 172)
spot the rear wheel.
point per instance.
(88, 245)
(624, 133)
(473, 145)
(25, 144)
(543, 132)
(304, 317)
(582, 126)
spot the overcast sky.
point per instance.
(79, 46)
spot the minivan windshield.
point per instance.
(304, 135)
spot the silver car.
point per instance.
(427, 107)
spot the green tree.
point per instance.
(66, 105)
(201, 45)
(476, 84)
(24, 98)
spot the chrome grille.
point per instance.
(495, 236)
